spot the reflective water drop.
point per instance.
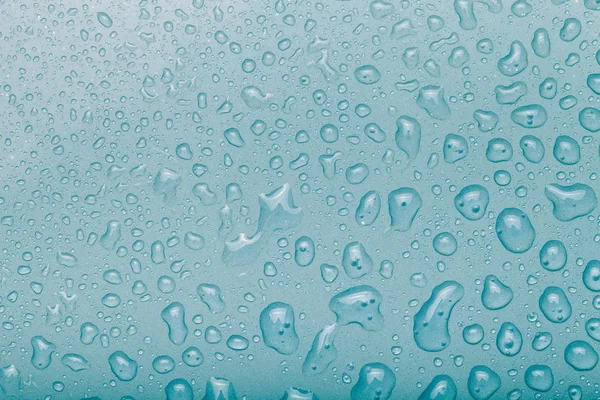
(539, 378)
(473, 334)
(376, 381)
(445, 244)
(367, 74)
(571, 202)
(472, 202)
(555, 305)
(358, 305)
(533, 148)
(124, 368)
(591, 276)
(515, 61)
(495, 294)
(553, 255)
(515, 231)
(408, 136)
(581, 356)
(430, 329)
(530, 116)
(509, 339)
(304, 251)
(404, 203)
(368, 208)
(483, 382)
(277, 323)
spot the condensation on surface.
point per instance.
(280, 199)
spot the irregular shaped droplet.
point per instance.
(356, 261)
(486, 120)
(589, 119)
(495, 294)
(219, 389)
(445, 244)
(530, 116)
(509, 340)
(515, 61)
(408, 136)
(174, 317)
(11, 382)
(211, 296)
(234, 137)
(111, 235)
(483, 382)
(515, 231)
(541, 341)
(368, 208)
(570, 29)
(458, 57)
(166, 183)
(375, 133)
(441, 387)
(193, 241)
(66, 259)
(278, 326)
(541, 43)
(553, 255)
(42, 350)
(329, 273)
(124, 368)
(358, 305)
(571, 202)
(472, 202)
(254, 98)
(403, 203)
(455, 148)
(179, 389)
(566, 150)
(581, 356)
(402, 29)
(329, 163)
(75, 362)
(533, 148)
(376, 381)
(555, 305)
(381, 9)
(499, 150)
(510, 94)
(591, 275)
(430, 329)
(278, 211)
(466, 12)
(367, 74)
(539, 378)
(431, 99)
(88, 333)
(357, 173)
(322, 352)
(548, 88)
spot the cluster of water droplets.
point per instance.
(299, 200)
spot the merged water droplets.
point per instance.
(430, 327)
